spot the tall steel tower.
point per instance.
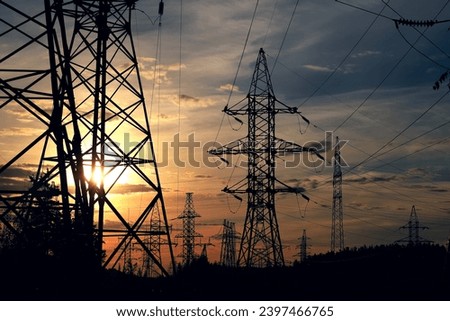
(154, 240)
(413, 227)
(188, 234)
(71, 70)
(228, 245)
(304, 247)
(261, 241)
(337, 215)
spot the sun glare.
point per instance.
(108, 177)
(97, 176)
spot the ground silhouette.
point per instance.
(385, 272)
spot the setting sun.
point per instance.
(109, 176)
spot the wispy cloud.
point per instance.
(317, 68)
(366, 53)
(228, 87)
(19, 131)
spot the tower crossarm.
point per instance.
(280, 147)
(242, 189)
(242, 107)
(239, 146)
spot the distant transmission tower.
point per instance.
(81, 89)
(204, 252)
(153, 241)
(337, 215)
(129, 265)
(261, 242)
(188, 234)
(304, 247)
(413, 227)
(228, 246)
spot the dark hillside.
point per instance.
(369, 273)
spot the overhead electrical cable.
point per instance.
(270, 22)
(285, 36)
(420, 51)
(399, 134)
(411, 47)
(344, 59)
(363, 9)
(412, 23)
(238, 67)
(179, 95)
(413, 153)
(415, 138)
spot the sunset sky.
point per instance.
(352, 73)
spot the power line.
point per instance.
(285, 35)
(399, 134)
(363, 9)
(420, 52)
(238, 67)
(179, 93)
(412, 46)
(343, 60)
(413, 153)
(270, 22)
(403, 21)
(415, 138)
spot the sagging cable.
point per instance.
(306, 120)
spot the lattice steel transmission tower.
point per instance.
(153, 240)
(261, 241)
(304, 247)
(129, 264)
(71, 70)
(337, 214)
(413, 227)
(204, 246)
(188, 235)
(228, 245)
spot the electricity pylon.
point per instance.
(188, 233)
(154, 241)
(261, 241)
(413, 227)
(337, 215)
(83, 94)
(304, 247)
(228, 245)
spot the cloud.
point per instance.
(317, 68)
(17, 177)
(192, 102)
(307, 183)
(113, 225)
(21, 115)
(229, 87)
(366, 53)
(368, 179)
(24, 116)
(19, 171)
(19, 131)
(344, 69)
(203, 176)
(159, 73)
(188, 99)
(130, 188)
(364, 206)
(418, 173)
